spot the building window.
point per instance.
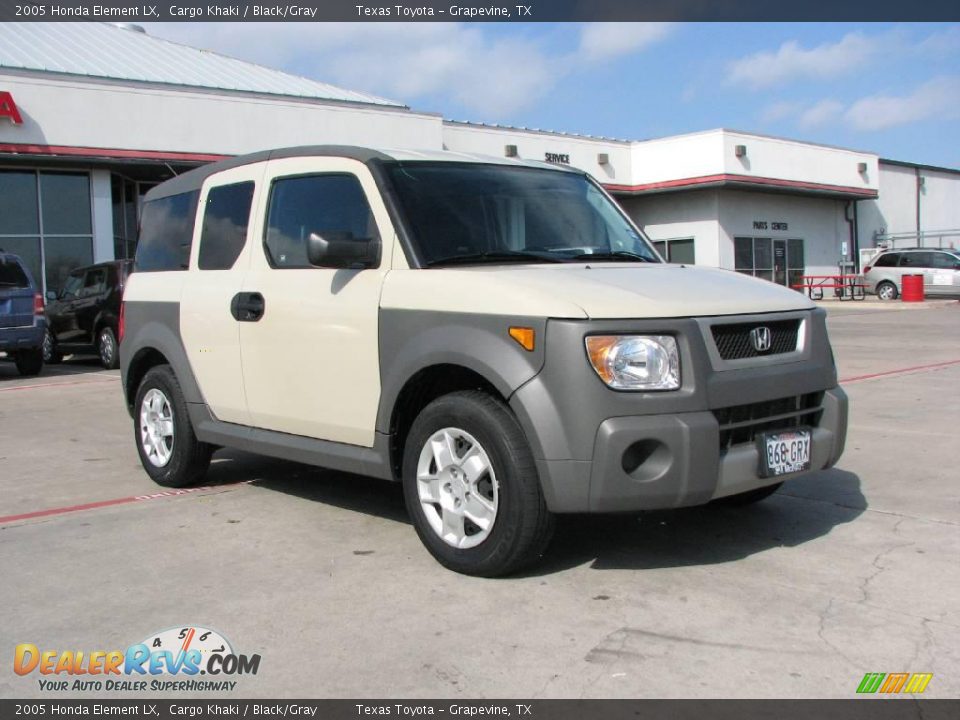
(774, 259)
(46, 219)
(127, 198)
(678, 250)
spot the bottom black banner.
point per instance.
(858, 709)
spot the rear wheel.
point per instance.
(168, 447)
(107, 349)
(887, 291)
(29, 362)
(51, 355)
(471, 486)
(750, 497)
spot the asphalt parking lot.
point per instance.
(848, 571)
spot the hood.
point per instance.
(601, 290)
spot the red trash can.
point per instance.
(912, 288)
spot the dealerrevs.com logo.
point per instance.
(171, 660)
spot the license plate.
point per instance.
(784, 452)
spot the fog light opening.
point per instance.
(646, 459)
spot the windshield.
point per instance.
(476, 213)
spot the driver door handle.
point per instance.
(247, 306)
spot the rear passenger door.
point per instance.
(219, 259)
(944, 274)
(311, 360)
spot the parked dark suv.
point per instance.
(82, 317)
(22, 323)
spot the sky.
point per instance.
(892, 89)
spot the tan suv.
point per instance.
(495, 334)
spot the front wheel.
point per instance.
(471, 486)
(29, 362)
(168, 448)
(107, 349)
(887, 291)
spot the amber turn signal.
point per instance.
(525, 336)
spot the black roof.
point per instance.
(193, 179)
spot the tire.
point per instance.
(107, 349)
(170, 453)
(500, 486)
(29, 362)
(750, 497)
(51, 356)
(887, 290)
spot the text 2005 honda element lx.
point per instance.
(494, 334)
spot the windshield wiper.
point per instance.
(624, 255)
(497, 256)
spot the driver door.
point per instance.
(311, 364)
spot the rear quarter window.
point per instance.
(12, 275)
(887, 260)
(225, 220)
(166, 233)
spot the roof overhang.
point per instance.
(745, 182)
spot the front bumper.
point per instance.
(602, 451)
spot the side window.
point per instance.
(332, 204)
(225, 220)
(944, 261)
(94, 282)
(917, 259)
(72, 286)
(887, 260)
(166, 233)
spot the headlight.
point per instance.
(635, 362)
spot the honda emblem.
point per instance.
(760, 338)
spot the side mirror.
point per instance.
(341, 250)
(52, 295)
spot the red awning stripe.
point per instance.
(115, 153)
(742, 179)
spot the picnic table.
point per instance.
(845, 287)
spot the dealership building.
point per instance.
(92, 115)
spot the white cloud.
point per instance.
(490, 75)
(606, 40)
(939, 97)
(791, 61)
(821, 113)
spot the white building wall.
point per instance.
(582, 152)
(679, 157)
(769, 157)
(940, 208)
(673, 216)
(895, 210)
(79, 112)
(820, 222)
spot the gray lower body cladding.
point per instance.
(599, 450)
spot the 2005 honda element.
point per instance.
(495, 334)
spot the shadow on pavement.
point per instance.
(350, 492)
(81, 365)
(802, 510)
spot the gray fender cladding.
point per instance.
(153, 325)
(413, 340)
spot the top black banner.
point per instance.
(478, 11)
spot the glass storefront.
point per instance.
(778, 260)
(45, 218)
